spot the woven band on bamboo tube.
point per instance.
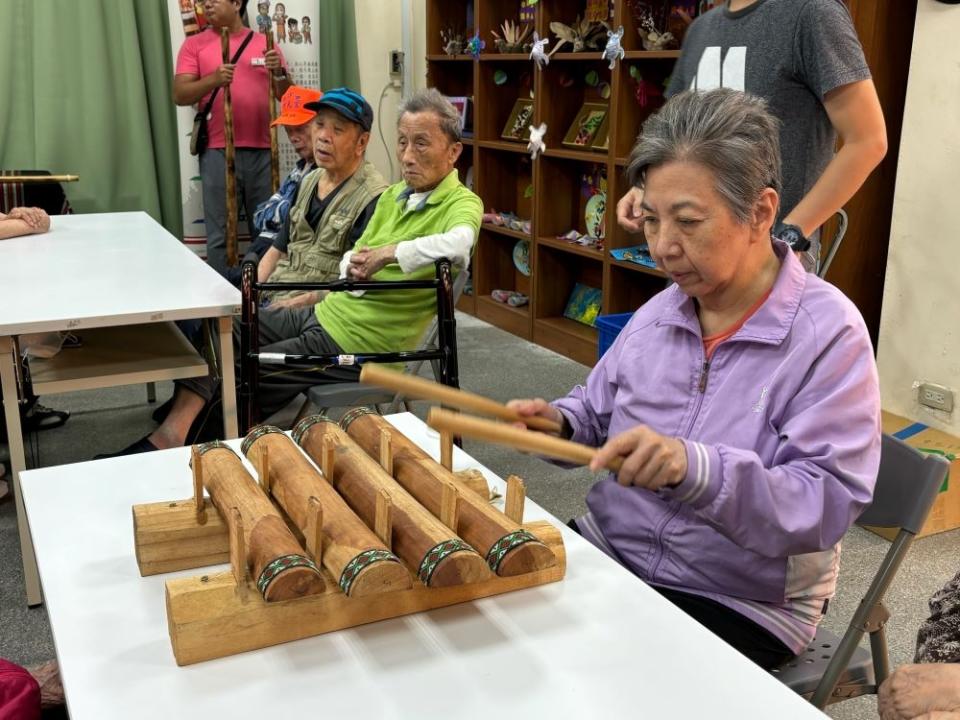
(508, 548)
(275, 558)
(351, 551)
(428, 548)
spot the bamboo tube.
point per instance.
(507, 547)
(502, 434)
(37, 179)
(229, 153)
(437, 556)
(274, 148)
(414, 387)
(352, 554)
(276, 561)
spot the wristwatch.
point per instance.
(792, 236)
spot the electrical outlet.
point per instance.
(396, 62)
(935, 396)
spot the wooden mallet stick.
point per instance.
(503, 434)
(415, 387)
(229, 151)
(274, 148)
(37, 179)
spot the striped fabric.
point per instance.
(49, 197)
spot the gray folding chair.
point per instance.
(842, 222)
(353, 394)
(834, 669)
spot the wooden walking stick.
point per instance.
(274, 148)
(231, 173)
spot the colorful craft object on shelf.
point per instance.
(536, 144)
(574, 236)
(594, 214)
(614, 51)
(647, 92)
(584, 304)
(521, 257)
(538, 52)
(638, 254)
(510, 297)
(453, 41)
(475, 45)
(508, 220)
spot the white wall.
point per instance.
(920, 325)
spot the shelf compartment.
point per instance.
(496, 271)
(564, 91)
(562, 202)
(457, 14)
(630, 114)
(572, 248)
(503, 179)
(495, 102)
(558, 272)
(567, 337)
(631, 41)
(452, 79)
(628, 289)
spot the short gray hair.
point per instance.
(432, 100)
(729, 132)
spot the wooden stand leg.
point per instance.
(264, 469)
(449, 510)
(386, 451)
(18, 463)
(196, 463)
(446, 450)
(313, 535)
(326, 464)
(238, 554)
(516, 494)
(383, 519)
(228, 388)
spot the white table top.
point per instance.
(600, 643)
(104, 270)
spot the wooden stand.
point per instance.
(219, 614)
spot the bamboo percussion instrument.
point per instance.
(275, 558)
(502, 434)
(428, 547)
(271, 103)
(351, 552)
(229, 153)
(509, 549)
(37, 179)
(415, 387)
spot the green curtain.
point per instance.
(337, 40)
(88, 91)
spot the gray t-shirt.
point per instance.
(789, 52)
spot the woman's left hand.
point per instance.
(650, 460)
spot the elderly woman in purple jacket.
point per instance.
(743, 399)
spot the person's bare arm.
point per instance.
(188, 89)
(268, 263)
(855, 113)
(23, 221)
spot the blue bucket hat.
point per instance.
(348, 103)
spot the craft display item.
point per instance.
(528, 9)
(584, 304)
(536, 145)
(353, 555)
(432, 550)
(509, 297)
(475, 45)
(651, 21)
(614, 50)
(517, 128)
(276, 561)
(462, 106)
(586, 125)
(638, 254)
(512, 37)
(538, 52)
(454, 41)
(508, 549)
(581, 34)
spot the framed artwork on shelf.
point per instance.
(583, 304)
(586, 126)
(601, 141)
(517, 128)
(462, 105)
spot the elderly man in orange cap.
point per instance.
(271, 215)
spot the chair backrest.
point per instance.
(907, 485)
(842, 222)
(429, 338)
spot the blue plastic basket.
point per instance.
(609, 326)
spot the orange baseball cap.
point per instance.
(292, 110)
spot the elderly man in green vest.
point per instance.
(429, 215)
(334, 202)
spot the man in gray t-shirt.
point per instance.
(804, 58)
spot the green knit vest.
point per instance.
(315, 256)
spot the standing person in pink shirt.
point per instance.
(200, 72)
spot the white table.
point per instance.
(598, 644)
(120, 279)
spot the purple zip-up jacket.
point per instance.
(782, 435)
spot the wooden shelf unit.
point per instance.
(503, 171)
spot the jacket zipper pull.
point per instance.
(703, 376)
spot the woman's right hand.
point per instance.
(629, 211)
(913, 690)
(538, 407)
